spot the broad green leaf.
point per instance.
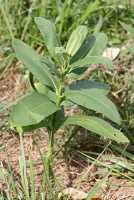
(32, 61)
(58, 119)
(76, 39)
(32, 109)
(48, 62)
(33, 127)
(94, 100)
(92, 46)
(79, 72)
(52, 96)
(84, 49)
(41, 88)
(87, 61)
(48, 31)
(99, 45)
(97, 126)
(92, 50)
(74, 75)
(89, 86)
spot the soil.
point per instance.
(79, 174)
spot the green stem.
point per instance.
(49, 157)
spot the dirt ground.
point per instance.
(116, 188)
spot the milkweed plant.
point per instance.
(44, 105)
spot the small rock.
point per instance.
(75, 194)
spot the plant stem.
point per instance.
(49, 157)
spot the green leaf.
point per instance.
(99, 24)
(76, 39)
(99, 45)
(48, 62)
(52, 96)
(97, 126)
(48, 31)
(87, 61)
(41, 88)
(33, 127)
(59, 118)
(92, 46)
(32, 61)
(84, 49)
(32, 109)
(95, 100)
(89, 86)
